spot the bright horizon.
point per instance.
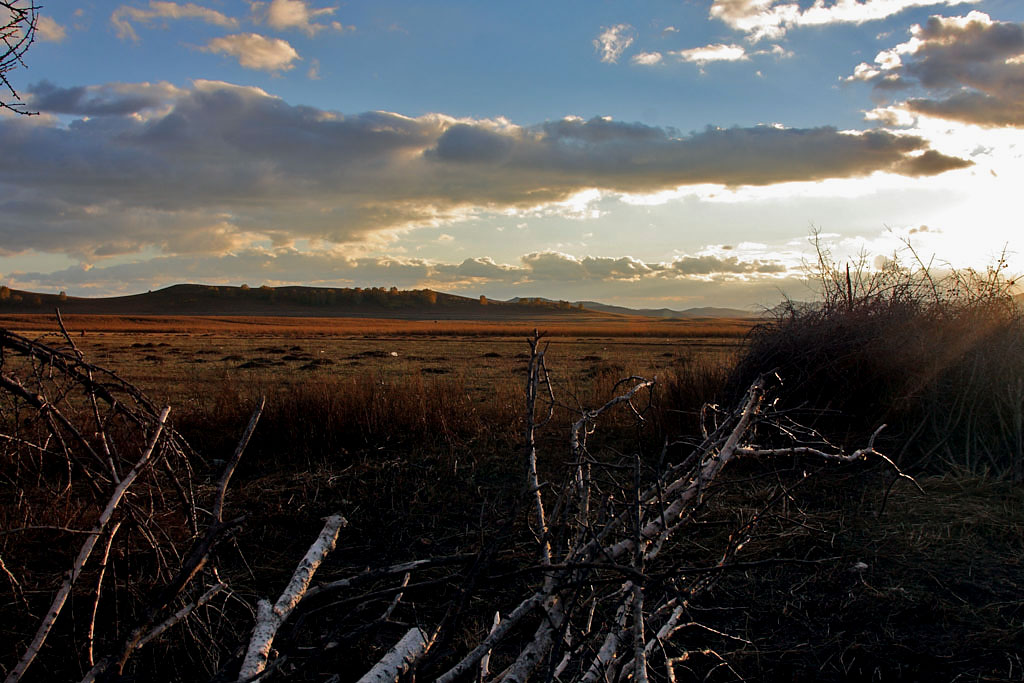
(676, 154)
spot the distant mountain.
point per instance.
(689, 313)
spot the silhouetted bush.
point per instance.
(938, 355)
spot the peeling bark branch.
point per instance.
(270, 617)
(399, 659)
(495, 636)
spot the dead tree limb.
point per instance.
(270, 617)
(399, 659)
(84, 553)
(229, 469)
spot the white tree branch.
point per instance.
(399, 659)
(270, 617)
(83, 554)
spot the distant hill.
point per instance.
(689, 313)
(316, 302)
(209, 300)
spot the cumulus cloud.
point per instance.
(48, 30)
(254, 51)
(761, 19)
(111, 99)
(465, 142)
(124, 16)
(613, 41)
(296, 14)
(480, 269)
(731, 265)
(971, 66)
(239, 164)
(282, 266)
(553, 265)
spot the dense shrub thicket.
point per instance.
(936, 354)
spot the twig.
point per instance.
(229, 469)
(533, 381)
(99, 585)
(159, 629)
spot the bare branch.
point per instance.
(270, 617)
(17, 34)
(83, 555)
(399, 659)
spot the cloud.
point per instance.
(972, 66)
(481, 268)
(48, 30)
(730, 265)
(556, 266)
(553, 265)
(733, 280)
(717, 52)
(771, 19)
(155, 166)
(296, 14)
(464, 142)
(613, 41)
(281, 266)
(254, 51)
(112, 99)
(124, 15)
(647, 58)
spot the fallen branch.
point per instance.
(270, 617)
(83, 555)
(399, 659)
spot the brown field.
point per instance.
(599, 325)
(178, 359)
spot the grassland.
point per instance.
(414, 430)
(190, 361)
(584, 324)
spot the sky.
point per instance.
(674, 153)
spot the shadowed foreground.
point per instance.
(614, 527)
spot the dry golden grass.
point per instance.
(553, 325)
(190, 361)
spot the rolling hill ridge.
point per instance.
(376, 302)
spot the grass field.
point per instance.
(414, 430)
(578, 325)
(182, 358)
